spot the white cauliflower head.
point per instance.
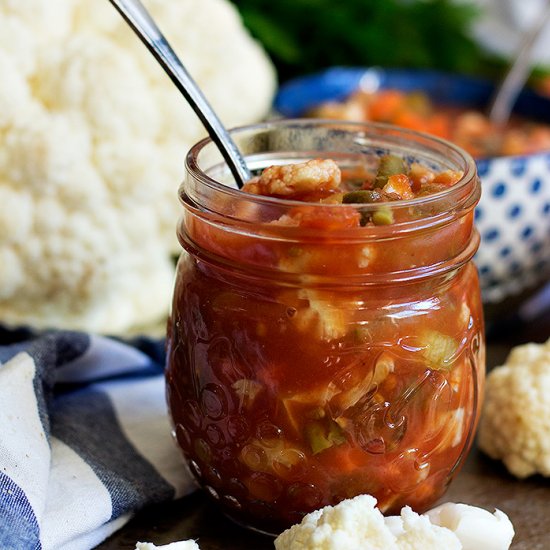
(515, 424)
(93, 137)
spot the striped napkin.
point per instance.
(84, 438)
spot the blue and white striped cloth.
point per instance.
(84, 438)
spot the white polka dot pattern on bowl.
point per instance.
(513, 218)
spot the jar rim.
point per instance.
(192, 163)
(209, 203)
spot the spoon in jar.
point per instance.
(507, 92)
(141, 22)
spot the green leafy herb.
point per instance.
(361, 197)
(307, 35)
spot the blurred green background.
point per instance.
(304, 36)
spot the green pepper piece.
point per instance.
(362, 196)
(383, 216)
(390, 165)
(321, 437)
(317, 438)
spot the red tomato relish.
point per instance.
(468, 128)
(297, 389)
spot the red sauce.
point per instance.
(293, 385)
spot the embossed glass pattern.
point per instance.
(306, 366)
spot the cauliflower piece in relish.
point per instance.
(291, 179)
(515, 424)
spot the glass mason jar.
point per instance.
(311, 364)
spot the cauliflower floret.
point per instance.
(352, 524)
(515, 424)
(357, 523)
(179, 545)
(93, 136)
(415, 532)
(323, 318)
(475, 527)
(287, 179)
(367, 256)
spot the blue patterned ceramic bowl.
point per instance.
(513, 216)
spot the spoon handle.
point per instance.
(505, 97)
(143, 25)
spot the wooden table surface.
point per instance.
(482, 482)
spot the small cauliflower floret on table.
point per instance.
(415, 532)
(291, 179)
(515, 424)
(475, 527)
(179, 545)
(352, 524)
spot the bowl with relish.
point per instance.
(513, 215)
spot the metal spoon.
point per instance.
(506, 94)
(144, 26)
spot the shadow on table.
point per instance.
(192, 517)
